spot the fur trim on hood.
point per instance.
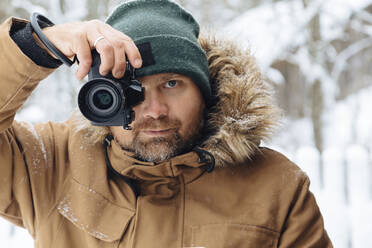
(244, 113)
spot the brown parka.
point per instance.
(54, 180)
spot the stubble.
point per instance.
(159, 149)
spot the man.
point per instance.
(189, 174)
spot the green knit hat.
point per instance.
(170, 33)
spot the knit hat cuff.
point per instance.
(175, 54)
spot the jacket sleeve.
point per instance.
(26, 151)
(304, 225)
(22, 34)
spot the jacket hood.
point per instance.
(244, 112)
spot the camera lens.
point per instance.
(103, 99)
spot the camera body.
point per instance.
(108, 101)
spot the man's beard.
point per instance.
(159, 149)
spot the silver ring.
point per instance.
(98, 39)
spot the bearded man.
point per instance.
(190, 173)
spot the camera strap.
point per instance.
(111, 171)
(38, 22)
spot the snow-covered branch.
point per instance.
(350, 51)
(365, 16)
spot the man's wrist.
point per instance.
(40, 44)
(32, 47)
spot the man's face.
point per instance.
(167, 122)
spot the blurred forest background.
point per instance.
(316, 54)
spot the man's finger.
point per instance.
(118, 46)
(106, 52)
(120, 59)
(130, 47)
(84, 56)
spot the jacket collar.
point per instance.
(188, 165)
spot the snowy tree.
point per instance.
(315, 52)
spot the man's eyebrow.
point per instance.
(169, 76)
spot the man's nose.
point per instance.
(154, 106)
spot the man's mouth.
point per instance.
(157, 132)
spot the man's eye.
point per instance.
(171, 84)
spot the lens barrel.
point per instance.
(100, 100)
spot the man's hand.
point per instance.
(78, 39)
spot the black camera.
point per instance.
(108, 101)
(104, 100)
